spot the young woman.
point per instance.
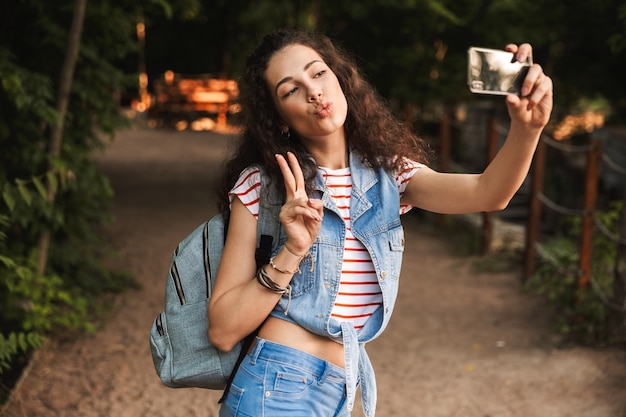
(347, 170)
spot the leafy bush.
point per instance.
(16, 343)
(33, 39)
(582, 311)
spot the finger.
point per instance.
(522, 52)
(288, 177)
(317, 205)
(533, 78)
(300, 207)
(296, 171)
(542, 90)
(540, 98)
(513, 100)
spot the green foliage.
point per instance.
(16, 343)
(40, 303)
(33, 39)
(618, 40)
(414, 51)
(582, 311)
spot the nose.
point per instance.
(316, 95)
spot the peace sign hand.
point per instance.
(301, 216)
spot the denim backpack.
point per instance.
(182, 353)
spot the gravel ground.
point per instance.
(462, 343)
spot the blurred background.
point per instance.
(74, 73)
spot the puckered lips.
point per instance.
(324, 109)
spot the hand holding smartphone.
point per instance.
(492, 71)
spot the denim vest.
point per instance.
(375, 220)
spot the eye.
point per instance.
(290, 92)
(319, 73)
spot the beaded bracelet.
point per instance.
(284, 271)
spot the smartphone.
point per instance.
(492, 71)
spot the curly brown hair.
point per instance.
(371, 128)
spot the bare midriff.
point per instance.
(292, 335)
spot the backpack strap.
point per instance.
(268, 226)
(268, 232)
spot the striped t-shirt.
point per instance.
(359, 292)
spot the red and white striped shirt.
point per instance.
(359, 292)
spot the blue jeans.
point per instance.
(274, 380)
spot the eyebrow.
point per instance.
(287, 79)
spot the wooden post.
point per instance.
(492, 148)
(534, 210)
(591, 193)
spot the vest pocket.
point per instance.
(396, 250)
(303, 281)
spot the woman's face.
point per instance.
(306, 92)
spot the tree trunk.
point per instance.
(63, 97)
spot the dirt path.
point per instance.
(461, 343)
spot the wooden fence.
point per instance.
(537, 201)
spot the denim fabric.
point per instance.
(375, 220)
(278, 381)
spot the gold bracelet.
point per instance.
(284, 271)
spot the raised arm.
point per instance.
(493, 189)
